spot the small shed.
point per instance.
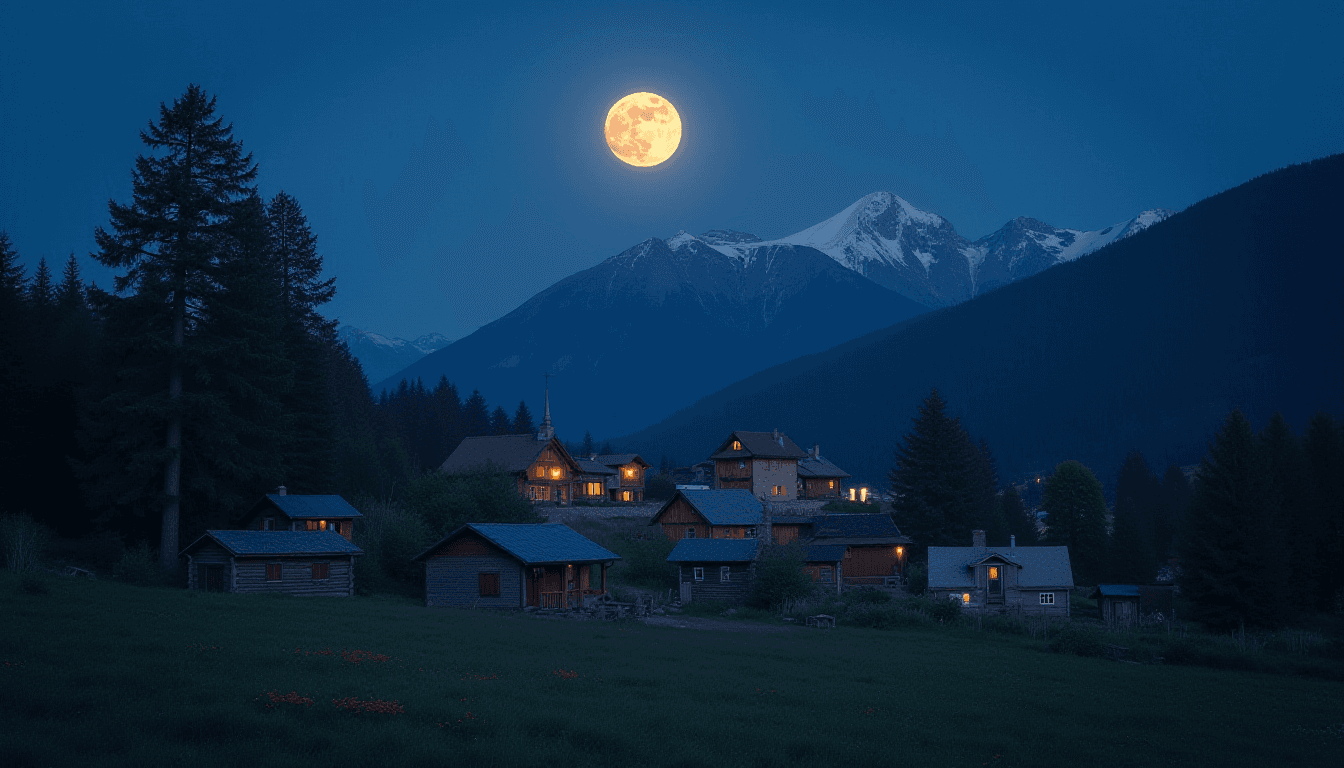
(1119, 604)
(826, 564)
(515, 565)
(318, 563)
(715, 569)
(282, 511)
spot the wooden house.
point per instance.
(874, 547)
(283, 511)
(763, 463)
(628, 484)
(715, 569)
(289, 562)
(825, 563)
(594, 480)
(981, 578)
(818, 478)
(691, 514)
(543, 469)
(513, 565)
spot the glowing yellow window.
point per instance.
(737, 446)
(541, 471)
(993, 572)
(555, 472)
(965, 598)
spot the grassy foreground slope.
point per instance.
(99, 673)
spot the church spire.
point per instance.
(547, 431)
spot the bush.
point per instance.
(391, 536)
(139, 566)
(945, 611)
(660, 486)
(446, 502)
(780, 578)
(23, 543)
(916, 580)
(893, 617)
(867, 596)
(1076, 640)
(850, 507)
(644, 562)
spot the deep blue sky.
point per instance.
(452, 164)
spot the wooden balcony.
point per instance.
(567, 598)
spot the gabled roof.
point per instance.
(951, 567)
(261, 543)
(618, 459)
(1115, 590)
(714, 551)
(731, 507)
(507, 453)
(590, 467)
(824, 553)
(819, 466)
(534, 543)
(854, 526)
(301, 507)
(759, 445)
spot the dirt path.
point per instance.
(696, 622)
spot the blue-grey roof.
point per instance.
(590, 467)
(714, 551)
(302, 506)
(250, 543)
(731, 507)
(854, 526)
(535, 542)
(824, 553)
(791, 519)
(1116, 590)
(950, 567)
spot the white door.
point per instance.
(685, 591)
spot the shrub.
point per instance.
(139, 566)
(945, 611)
(391, 536)
(23, 542)
(1076, 640)
(916, 580)
(867, 596)
(446, 502)
(893, 617)
(644, 562)
(780, 578)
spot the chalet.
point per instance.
(733, 514)
(283, 511)
(594, 480)
(874, 549)
(288, 562)
(763, 463)
(715, 569)
(1033, 579)
(514, 565)
(818, 478)
(628, 485)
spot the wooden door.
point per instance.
(535, 580)
(685, 592)
(214, 577)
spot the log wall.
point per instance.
(454, 580)
(208, 554)
(296, 576)
(736, 590)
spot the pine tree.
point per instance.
(15, 355)
(1021, 523)
(1290, 482)
(986, 489)
(1324, 446)
(42, 296)
(1232, 569)
(586, 448)
(1076, 517)
(1133, 556)
(934, 480)
(1176, 494)
(448, 407)
(522, 420)
(475, 418)
(499, 421)
(167, 241)
(295, 248)
(607, 449)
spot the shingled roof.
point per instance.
(618, 459)
(761, 445)
(507, 453)
(824, 553)
(854, 526)
(534, 543)
(950, 567)
(304, 506)
(725, 507)
(819, 466)
(261, 543)
(590, 467)
(714, 551)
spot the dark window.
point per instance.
(489, 584)
(698, 573)
(825, 574)
(268, 524)
(272, 571)
(725, 573)
(321, 570)
(690, 533)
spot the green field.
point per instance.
(100, 673)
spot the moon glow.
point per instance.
(643, 129)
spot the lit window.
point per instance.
(1047, 598)
(625, 496)
(698, 573)
(965, 598)
(321, 525)
(737, 446)
(541, 471)
(993, 572)
(725, 573)
(830, 483)
(630, 473)
(555, 472)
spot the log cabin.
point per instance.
(763, 463)
(722, 570)
(689, 514)
(283, 511)
(515, 565)
(543, 470)
(628, 485)
(818, 478)
(874, 547)
(305, 563)
(1030, 579)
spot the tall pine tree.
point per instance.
(1076, 517)
(522, 420)
(499, 421)
(935, 480)
(1133, 556)
(167, 240)
(1324, 447)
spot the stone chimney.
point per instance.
(281, 491)
(767, 533)
(1012, 541)
(978, 539)
(816, 451)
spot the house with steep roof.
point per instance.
(630, 469)
(289, 562)
(981, 578)
(715, 569)
(819, 478)
(284, 511)
(594, 480)
(694, 514)
(515, 565)
(763, 463)
(874, 547)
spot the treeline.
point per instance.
(207, 375)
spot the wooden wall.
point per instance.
(296, 576)
(785, 533)
(678, 516)
(208, 554)
(736, 590)
(452, 578)
(871, 561)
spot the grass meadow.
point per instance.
(97, 673)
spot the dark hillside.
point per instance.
(1146, 344)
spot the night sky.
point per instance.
(452, 164)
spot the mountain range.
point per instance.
(1148, 343)
(657, 326)
(381, 356)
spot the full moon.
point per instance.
(643, 129)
